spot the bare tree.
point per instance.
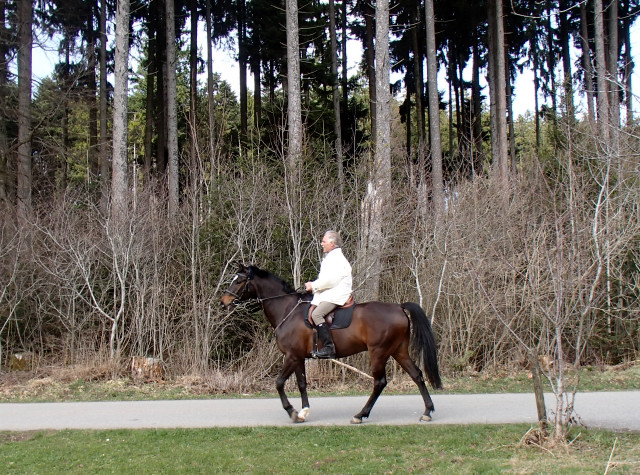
(11, 293)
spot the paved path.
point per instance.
(611, 410)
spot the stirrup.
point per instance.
(325, 353)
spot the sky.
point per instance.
(45, 58)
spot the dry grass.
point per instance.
(85, 382)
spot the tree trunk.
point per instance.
(242, 63)
(210, 102)
(257, 92)
(378, 196)
(119, 187)
(586, 62)
(408, 127)
(566, 61)
(497, 89)
(104, 95)
(172, 113)
(345, 69)
(551, 62)
(451, 72)
(510, 119)
(193, 88)
(601, 74)
(337, 127)
(65, 125)
(293, 163)
(612, 65)
(536, 105)
(458, 95)
(419, 91)
(476, 100)
(94, 153)
(294, 110)
(370, 55)
(435, 139)
(4, 151)
(628, 66)
(160, 59)
(25, 41)
(148, 128)
(538, 388)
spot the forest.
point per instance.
(133, 177)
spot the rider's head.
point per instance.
(334, 237)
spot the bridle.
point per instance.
(238, 298)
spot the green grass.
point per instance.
(590, 379)
(344, 450)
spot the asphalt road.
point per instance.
(610, 410)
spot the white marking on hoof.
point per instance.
(425, 418)
(356, 420)
(303, 414)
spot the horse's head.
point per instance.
(240, 288)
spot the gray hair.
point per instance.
(334, 237)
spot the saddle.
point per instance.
(339, 318)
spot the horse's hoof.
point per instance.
(303, 414)
(356, 420)
(425, 418)
(294, 416)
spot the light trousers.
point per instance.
(322, 310)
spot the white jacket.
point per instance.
(334, 281)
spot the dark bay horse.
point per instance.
(383, 329)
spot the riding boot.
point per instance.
(328, 350)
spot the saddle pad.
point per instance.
(339, 318)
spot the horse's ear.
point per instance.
(240, 266)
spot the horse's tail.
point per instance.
(423, 340)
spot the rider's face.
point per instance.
(327, 245)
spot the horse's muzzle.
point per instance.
(228, 300)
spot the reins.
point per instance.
(260, 300)
(300, 301)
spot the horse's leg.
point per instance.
(290, 365)
(379, 382)
(405, 361)
(301, 377)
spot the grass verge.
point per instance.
(347, 450)
(85, 385)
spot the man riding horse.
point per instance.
(331, 290)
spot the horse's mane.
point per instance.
(265, 274)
